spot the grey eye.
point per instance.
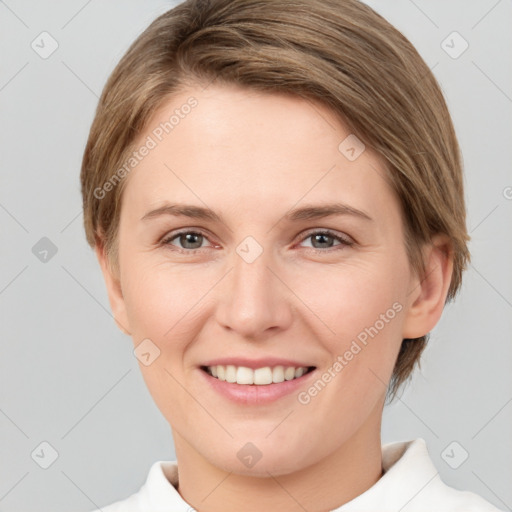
(322, 240)
(191, 240)
(187, 240)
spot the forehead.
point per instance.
(234, 147)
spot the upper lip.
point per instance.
(256, 363)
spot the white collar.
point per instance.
(410, 483)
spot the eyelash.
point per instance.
(344, 242)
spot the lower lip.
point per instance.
(252, 394)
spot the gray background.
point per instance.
(68, 377)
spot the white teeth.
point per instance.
(230, 373)
(243, 375)
(259, 377)
(263, 376)
(289, 373)
(278, 374)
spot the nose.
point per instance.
(253, 300)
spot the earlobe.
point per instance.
(114, 291)
(429, 291)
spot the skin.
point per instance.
(251, 157)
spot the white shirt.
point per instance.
(410, 483)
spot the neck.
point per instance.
(344, 474)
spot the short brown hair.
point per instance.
(339, 53)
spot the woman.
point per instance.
(274, 193)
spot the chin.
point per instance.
(275, 465)
(259, 458)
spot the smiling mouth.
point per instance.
(258, 376)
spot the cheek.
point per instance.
(160, 297)
(348, 299)
(361, 312)
(162, 304)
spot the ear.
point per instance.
(115, 293)
(428, 292)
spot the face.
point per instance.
(276, 278)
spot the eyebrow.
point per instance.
(304, 213)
